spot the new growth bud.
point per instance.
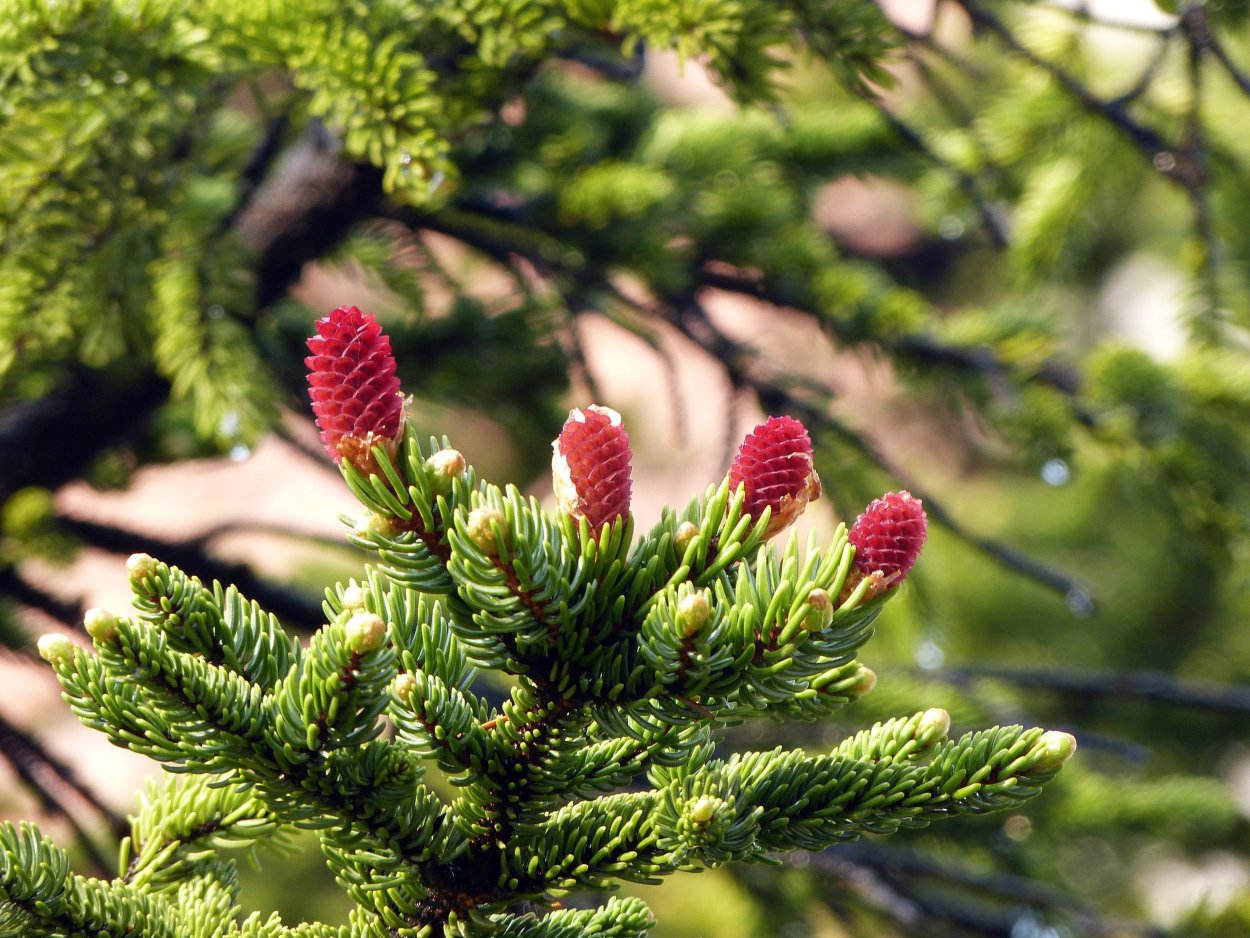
(1054, 748)
(373, 523)
(354, 389)
(365, 632)
(354, 598)
(933, 726)
(692, 614)
(704, 809)
(140, 567)
(442, 467)
(404, 685)
(775, 465)
(821, 616)
(686, 532)
(866, 680)
(100, 624)
(55, 648)
(590, 466)
(480, 528)
(888, 536)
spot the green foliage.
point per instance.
(506, 173)
(626, 658)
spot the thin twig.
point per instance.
(1147, 76)
(1241, 78)
(1085, 15)
(917, 347)
(1196, 30)
(192, 558)
(970, 185)
(55, 785)
(1075, 593)
(1147, 685)
(577, 352)
(942, 93)
(900, 866)
(14, 586)
(1146, 139)
(204, 540)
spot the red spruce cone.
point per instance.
(355, 392)
(775, 464)
(888, 536)
(590, 466)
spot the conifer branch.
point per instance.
(479, 234)
(1147, 140)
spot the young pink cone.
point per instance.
(888, 537)
(775, 465)
(354, 389)
(590, 466)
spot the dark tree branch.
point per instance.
(56, 786)
(52, 440)
(256, 169)
(1145, 138)
(190, 556)
(1146, 685)
(991, 216)
(20, 590)
(1197, 33)
(1240, 77)
(1004, 896)
(305, 209)
(544, 252)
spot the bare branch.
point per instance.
(56, 787)
(1147, 685)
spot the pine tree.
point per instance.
(169, 170)
(627, 655)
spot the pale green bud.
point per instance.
(140, 566)
(933, 726)
(479, 526)
(404, 685)
(692, 614)
(686, 532)
(442, 468)
(1054, 748)
(55, 648)
(865, 681)
(100, 624)
(704, 809)
(821, 616)
(365, 632)
(371, 523)
(353, 598)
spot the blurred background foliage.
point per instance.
(994, 252)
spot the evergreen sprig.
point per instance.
(625, 657)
